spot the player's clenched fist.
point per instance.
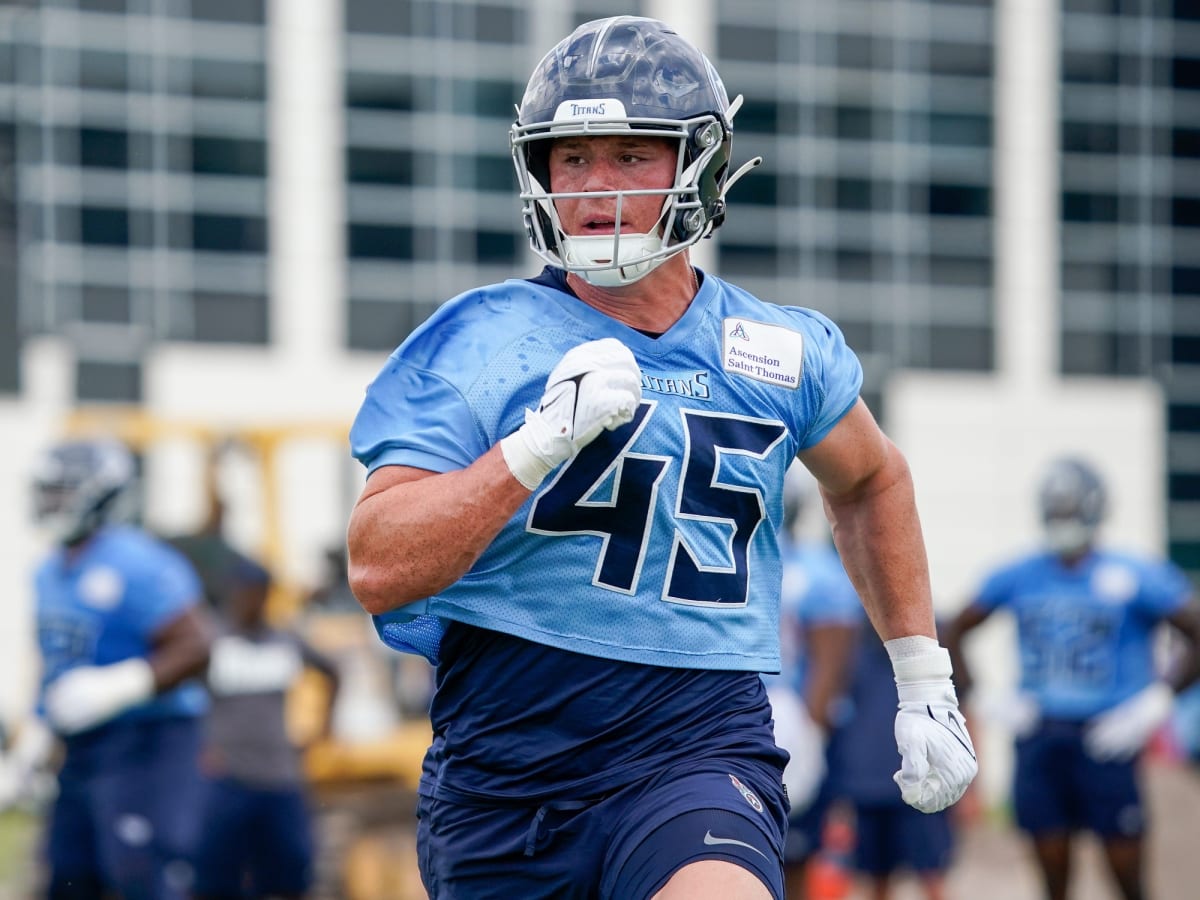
(595, 386)
(937, 759)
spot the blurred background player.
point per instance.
(121, 634)
(257, 826)
(1185, 726)
(820, 617)
(890, 838)
(214, 557)
(1091, 694)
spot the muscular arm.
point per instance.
(869, 500)
(413, 532)
(180, 649)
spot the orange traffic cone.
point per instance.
(829, 875)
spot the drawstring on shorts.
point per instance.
(535, 827)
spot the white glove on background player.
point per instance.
(1119, 734)
(804, 739)
(937, 757)
(88, 696)
(595, 386)
(1013, 710)
(20, 766)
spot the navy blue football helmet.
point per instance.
(609, 77)
(81, 485)
(1072, 501)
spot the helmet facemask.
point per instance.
(689, 211)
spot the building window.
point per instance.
(380, 241)
(103, 70)
(103, 148)
(372, 166)
(229, 156)
(380, 91)
(958, 200)
(102, 303)
(373, 17)
(225, 79)
(381, 325)
(108, 382)
(1080, 206)
(104, 226)
(961, 348)
(229, 317)
(243, 11)
(229, 233)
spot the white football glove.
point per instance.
(804, 740)
(1120, 733)
(595, 386)
(937, 757)
(20, 767)
(1017, 712)
(88, 696)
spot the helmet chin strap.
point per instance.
(614, 260)
(584, 251)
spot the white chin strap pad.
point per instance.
(580, 253)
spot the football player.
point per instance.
(821, 617)
(1090, 693)
(121, 637)
(573, 493)
(258, 839)
(891, 839)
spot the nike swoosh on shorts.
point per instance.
(713, 841)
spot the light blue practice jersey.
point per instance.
(656, 543)
(816, 592)
(104, 606)
(1085, 632)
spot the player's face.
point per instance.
(611, 163)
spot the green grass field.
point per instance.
(17, 833)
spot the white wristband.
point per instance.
(922, 669)
(526, 466)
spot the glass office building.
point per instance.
(141, 177)
(1130, 217)
(873, 203)
(136, 207)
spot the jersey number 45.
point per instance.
(623, 519)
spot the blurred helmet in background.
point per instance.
(610, 77)
(1072, 502)
(80, 486)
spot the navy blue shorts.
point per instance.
(894, 836)
(257, 842)
(626, 844)
(1058, 787)
(127, 811)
